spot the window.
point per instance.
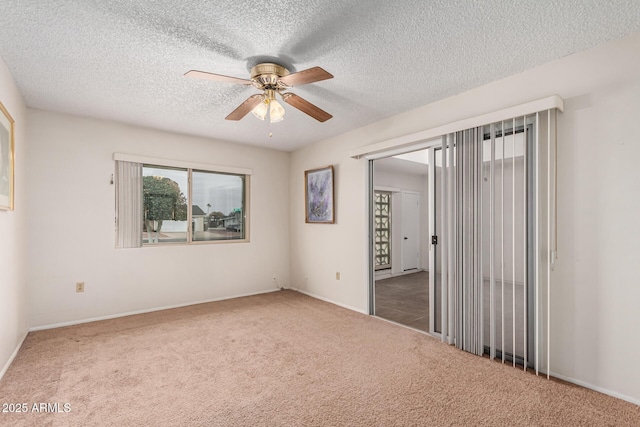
(164, 204)
(383, 229)
(218, 210)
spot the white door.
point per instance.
(410, 230)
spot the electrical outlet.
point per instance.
(79, 286)
(337, 275)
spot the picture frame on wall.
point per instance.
(6, 160)
(319, 196)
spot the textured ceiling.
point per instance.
(124, 60)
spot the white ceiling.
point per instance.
(124, 60)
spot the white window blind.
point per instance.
(128, 204)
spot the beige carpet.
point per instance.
(279, 359)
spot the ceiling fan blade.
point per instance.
(303, 77)
(306, 107)
(216, 77)
(244, 108)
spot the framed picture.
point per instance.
(318, 196)
(6, 160)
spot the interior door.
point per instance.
(410, 230)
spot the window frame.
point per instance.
(191, 167)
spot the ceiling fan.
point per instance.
(272, 79)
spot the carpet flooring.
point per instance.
(279, 359)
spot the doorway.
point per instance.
(400, 222)
(410, 224)
(410, 291)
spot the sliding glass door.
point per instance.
(486, 293)
(491, 203)
(436, 226)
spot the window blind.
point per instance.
(128, 204)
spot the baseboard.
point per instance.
(348, 307)
(147, 310)
(13, 356)
(596, 388)
(402, 273)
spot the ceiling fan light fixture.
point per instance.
(276, 112)
(260, 111)
(272, 79)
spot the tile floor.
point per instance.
(404, 299)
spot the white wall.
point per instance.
(595, 312)
(71, 224)
(321, 250)
(13, 248)
(405, 182)
(596, 284)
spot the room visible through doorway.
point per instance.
(401, 227)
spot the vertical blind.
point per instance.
(128, 204)
(496, 234)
